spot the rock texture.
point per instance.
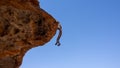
(23, 25)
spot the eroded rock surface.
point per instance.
(23, 25)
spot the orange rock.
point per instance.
(23, 25)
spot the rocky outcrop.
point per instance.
(23, 25)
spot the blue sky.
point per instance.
(91, 36)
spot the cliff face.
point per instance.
(23, 25)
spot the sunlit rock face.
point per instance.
(23, 25)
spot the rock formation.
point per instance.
(23, 25)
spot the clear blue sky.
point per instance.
(91, 36)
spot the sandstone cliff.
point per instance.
(23, 25)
